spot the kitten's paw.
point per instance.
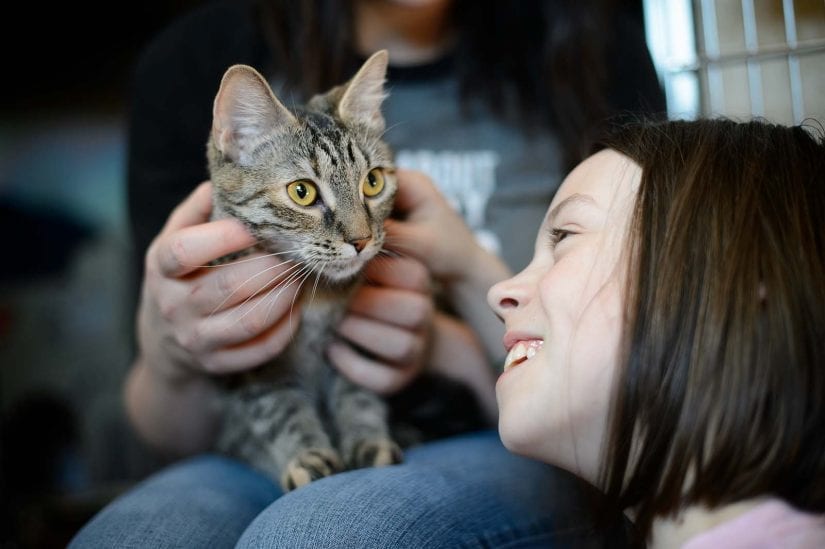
(310, 465)
(375, 453)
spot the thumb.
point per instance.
(408, 239)
(415, 190)
(194, 210)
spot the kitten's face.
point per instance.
(316, 184)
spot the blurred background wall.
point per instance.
(65, 331)
(65, 337)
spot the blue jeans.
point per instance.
(465, 491)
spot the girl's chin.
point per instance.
(517, 435)
(512, 441)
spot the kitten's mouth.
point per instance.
(342, 270)
(345, 268)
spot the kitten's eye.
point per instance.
(302, 192)
(374, 183)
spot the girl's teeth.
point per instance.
(522, 351)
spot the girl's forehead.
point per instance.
(607, 179)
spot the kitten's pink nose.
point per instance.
(360, 243)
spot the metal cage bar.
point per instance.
(709, 61)
(716, 85)
(794, 70)
(754, 68)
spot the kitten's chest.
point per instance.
(321, 313)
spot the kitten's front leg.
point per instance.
(286, 438)
(361, 418)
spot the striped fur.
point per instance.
(296, 418)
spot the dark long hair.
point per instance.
(548, 58)
(722, 397)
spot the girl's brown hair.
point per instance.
(722, 397)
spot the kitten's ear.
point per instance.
(245, 112)
(364, 93)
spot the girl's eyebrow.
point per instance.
(573, 199)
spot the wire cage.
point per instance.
(740, 58)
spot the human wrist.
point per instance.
(456, 352)
(477, 270)
(170, 371)
(173, 417)
(467, 294)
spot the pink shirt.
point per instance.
(769, 525)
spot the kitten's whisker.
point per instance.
(388, 129)
(396, 246)
(242, 284)
(306, 268)
(284, 284)
(302, 275)
(389, 253)
(395, 239)
(275, 282)
(272, 254)
(380, 258)
(281, 286)
(243, 260)
(297, 292)
(315, 286)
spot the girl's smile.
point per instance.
(563, 316)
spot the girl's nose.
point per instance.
(506, 296)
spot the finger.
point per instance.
(194, 210)
(403, 308)
(409, 239)
(182, 251)
(399, 272)
(255, 352)
(245, 322)
(415, 190)
(382, 340)
(367, 372)
(224, 286)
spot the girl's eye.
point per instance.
(557, 235)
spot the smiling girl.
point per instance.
(667, 341)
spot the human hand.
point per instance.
(385, 333)
(430, 230)
(195, 319)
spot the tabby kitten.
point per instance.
(314, 185)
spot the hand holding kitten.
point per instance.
(195, 319)
(390, 318)
(428, 229)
